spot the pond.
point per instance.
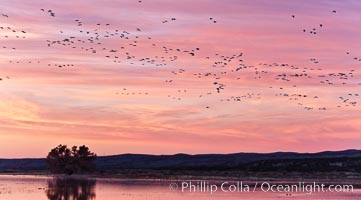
(57, 188)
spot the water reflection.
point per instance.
(71, 189)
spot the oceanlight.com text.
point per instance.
(233, 187)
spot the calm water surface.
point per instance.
(45, 188)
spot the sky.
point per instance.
(166, 77)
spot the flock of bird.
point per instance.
(314, 30)
(221, 76)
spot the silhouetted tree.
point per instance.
(61, 159)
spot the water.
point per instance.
(50, 188)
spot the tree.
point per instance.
(61, 159)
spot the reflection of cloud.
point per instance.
(71, 189)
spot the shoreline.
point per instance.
(356, 184)
(275, 177)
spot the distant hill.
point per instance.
(348, 160)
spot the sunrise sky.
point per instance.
(128, 106)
